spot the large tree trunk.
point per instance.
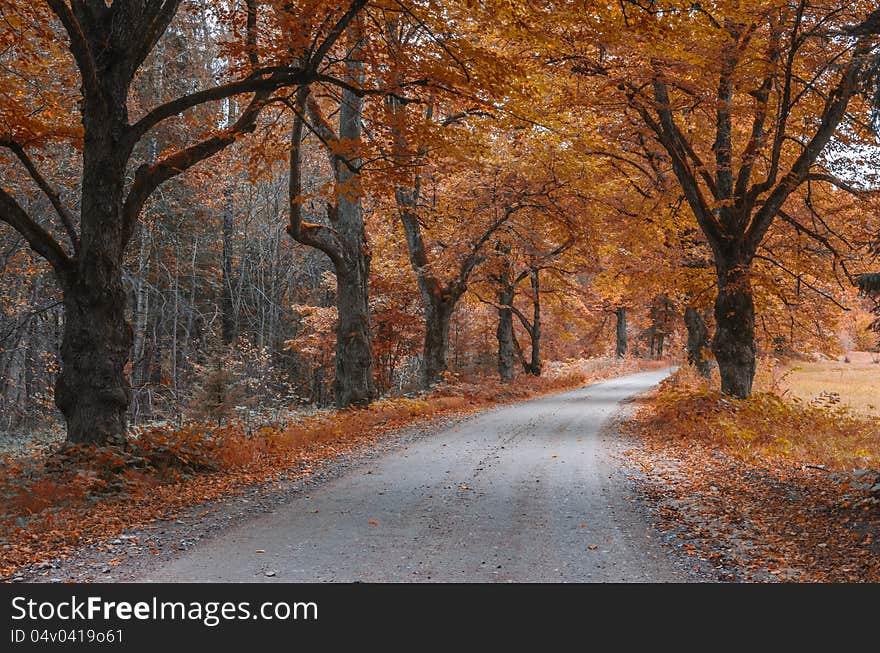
(109, 42)
(438, 316)
(698, 341)
(504, 333)
(345, 241)
(734, 341)
(438, 300)
(93, 389)
(736, 215)
(621, 346)
(354, 384)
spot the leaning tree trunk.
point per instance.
(535, 366)
(620, 350)
(438, 299)
(697, 341)
(92, 390)
(734, 341)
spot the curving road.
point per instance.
(531, 492)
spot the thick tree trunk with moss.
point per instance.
(92, 391)
(504, 332)
(697, 341)
(734, 341)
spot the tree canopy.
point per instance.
(365, 197)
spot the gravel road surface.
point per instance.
(530, 492)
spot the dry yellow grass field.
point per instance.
(856, 382)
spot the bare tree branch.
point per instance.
(314, 235)
(79, 45)
(258, 83)
(66, 219)
(40, 240)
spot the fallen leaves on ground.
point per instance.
(53, 503)
(764, 489)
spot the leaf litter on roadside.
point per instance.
(764, 489)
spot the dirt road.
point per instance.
(528, 492)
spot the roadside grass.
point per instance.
(766, 426)
(856, 383)
(54, 501)
(768, 488)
